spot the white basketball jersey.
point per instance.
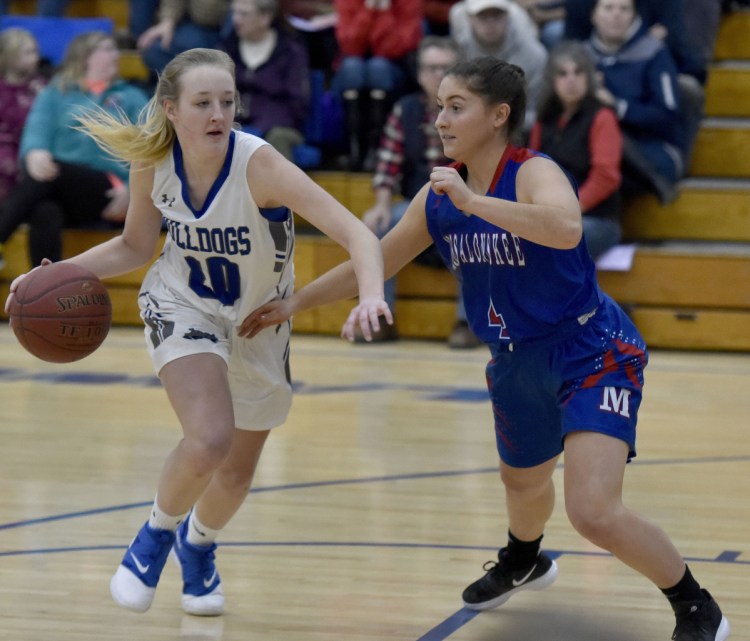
(229, 257)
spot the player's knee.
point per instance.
(235, 481)
(207, 451)
(519, 482)
(592, 519)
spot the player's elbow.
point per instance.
(570, 234)
(137, 254)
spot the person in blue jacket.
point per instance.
(639, 81)
(69, 181)
(566, 367)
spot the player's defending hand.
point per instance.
(368, 315)
(270, 314)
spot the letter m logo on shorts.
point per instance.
(616, 400)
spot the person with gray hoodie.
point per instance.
(504, 30)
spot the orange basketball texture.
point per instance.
(61, 313)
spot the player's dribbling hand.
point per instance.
(17, 281)
(446, 180)
(270, 314)
(368, 315)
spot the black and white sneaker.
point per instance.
(501, 582)
(701, 622)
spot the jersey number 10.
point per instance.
(223, 276)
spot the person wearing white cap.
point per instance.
(504, 30)
(477, 6)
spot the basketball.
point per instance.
(61, 313)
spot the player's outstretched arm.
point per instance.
(407, 240)
(274, 181)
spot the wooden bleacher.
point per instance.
(689, 285)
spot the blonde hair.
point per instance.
(150, 139)
(73, 69)
(11, 42)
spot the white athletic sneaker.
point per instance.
(134, 584)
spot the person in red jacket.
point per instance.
(435, 14)
(583, 135)
(377, 40)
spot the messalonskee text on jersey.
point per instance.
(214, 240)
(499, 248)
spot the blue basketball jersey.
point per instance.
(514, 290)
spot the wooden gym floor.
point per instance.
(372, 508)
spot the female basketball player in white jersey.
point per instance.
(567, 364)
(227, 199)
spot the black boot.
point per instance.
(352, 113)
(378, 112)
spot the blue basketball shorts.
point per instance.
(585, 377)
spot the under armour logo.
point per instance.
(166, 200)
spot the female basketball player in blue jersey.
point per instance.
(567, 364)
(226, 198)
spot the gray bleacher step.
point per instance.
(698, 248)
(731, 65)
(725, 123)
(697, 183)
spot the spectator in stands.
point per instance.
(688, 29)
(69, 180)
(409, 148)
(273, 76)
(141, 17)
(549, 17)
(503, 30)
(640, 84)
(45, 8)
(378, 40)
(182, 25)
(584, 137)
(20, 82)
(314, 21)
(436, 13)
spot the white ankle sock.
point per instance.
(199, 534)
(160, 520)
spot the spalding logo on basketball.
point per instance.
(61, 312)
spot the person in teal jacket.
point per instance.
(68, 181)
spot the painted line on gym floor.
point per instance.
(358, 481)
(442, 630)
(728, 557)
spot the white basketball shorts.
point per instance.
(258, 368)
